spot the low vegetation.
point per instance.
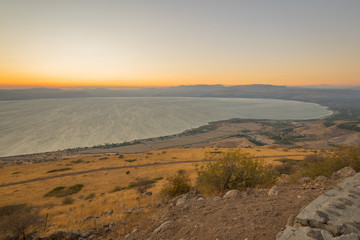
(19, 221)
(143, 184)
(325, 165)
(130, 160)
(90, 196)
(349, 126)
(59, 170)
(63, 191)
(234, 170)
(177, 184)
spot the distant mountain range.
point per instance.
(245, 91)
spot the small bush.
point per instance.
(233, 170)
(67, 201)
(130, 160)
(177, 184)
(19, 221)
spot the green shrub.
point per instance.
(321, 165)
(177, 184)
(130, 160)
(233, 170)
(63, 191)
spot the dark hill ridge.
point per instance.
(247, 91)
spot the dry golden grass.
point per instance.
(101, 183)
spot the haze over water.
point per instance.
(32, 126)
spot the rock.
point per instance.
(73, 236)
(161, 227)
(303, 180)
(282, 183)
(147, 193)
(304, 233)
(108, 212)
(216, 198)
(89, 218)
(232, 194)
(291, 220)
(185, 208)
(88, 234)
(273, 191)
(334, 213)
(129, 211)
(59, 235)
(343, 173)
(123, 221)
(321, 179)
(180, 201)
(249, 191)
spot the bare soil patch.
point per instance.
(254, 215)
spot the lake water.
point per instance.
(31, 126)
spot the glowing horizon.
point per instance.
(162, 43)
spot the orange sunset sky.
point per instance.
(169, 43)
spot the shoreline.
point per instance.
(154, 143)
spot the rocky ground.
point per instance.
(252, 214)
(242, 215)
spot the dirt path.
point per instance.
(115, 168)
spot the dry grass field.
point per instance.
(103, 187)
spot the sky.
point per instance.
(184, 42)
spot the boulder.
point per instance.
(232, 194)
(343, 173)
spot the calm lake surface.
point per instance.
(31, 126)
